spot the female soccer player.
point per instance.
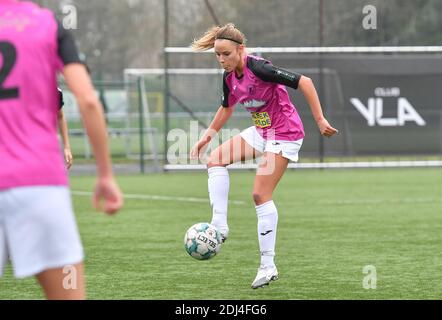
(63, 126)
(38, 231)
(259, 87)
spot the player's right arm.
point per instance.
(80, 84)
(221, 117)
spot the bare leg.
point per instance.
(268, 174)
(63, 283)
(231, 151)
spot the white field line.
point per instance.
(380, 201)
(296, 203)
(157, 198)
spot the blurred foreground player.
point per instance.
(38, 231)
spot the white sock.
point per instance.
(218, 184)
(267, 225)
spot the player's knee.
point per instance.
(259, 197)
(214, 160)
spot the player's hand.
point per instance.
(107, 196)
(326, 129)
(68, 158)
(198, 149)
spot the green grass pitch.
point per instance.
(332, 223)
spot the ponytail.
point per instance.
(227, 32)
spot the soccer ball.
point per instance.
(202, 241)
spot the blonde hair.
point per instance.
(228, 32)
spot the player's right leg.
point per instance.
(234, 150)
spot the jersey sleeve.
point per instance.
(264, 70)
(67, 50)
(228, 99)
(226, 92)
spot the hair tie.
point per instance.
(225, 38)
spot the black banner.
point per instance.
(382, 105)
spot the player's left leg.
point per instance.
(63, 283)
(267, 177)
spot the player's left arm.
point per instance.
(309, 91)
(267, 72)
(270, 73)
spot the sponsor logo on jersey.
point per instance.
(19, 21)
(253, 104)
(261, 119)
(251, 89)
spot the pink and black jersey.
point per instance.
(261, 91)
(33, 48)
